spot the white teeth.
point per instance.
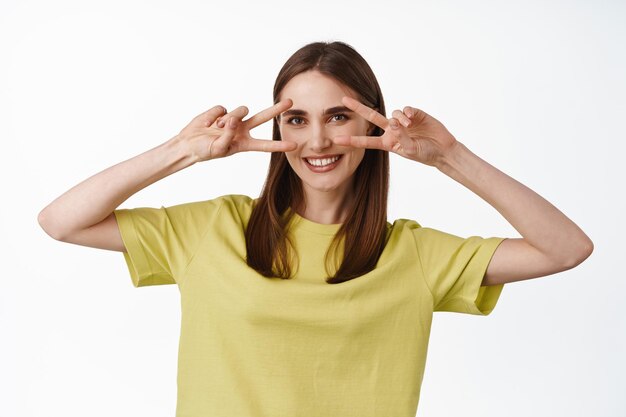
(322, 162)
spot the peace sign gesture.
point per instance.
(413, 133)
(214, 134)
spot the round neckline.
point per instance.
(311, 226)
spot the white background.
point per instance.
(535, 88)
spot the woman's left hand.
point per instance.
(416, 135)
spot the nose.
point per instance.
(319, 139)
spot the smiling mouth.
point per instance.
(322, 162)
(325, 164)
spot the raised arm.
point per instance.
(550, 241)
(84, 214)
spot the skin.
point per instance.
(328, 195)
(550, 242)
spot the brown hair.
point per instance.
(365, 229)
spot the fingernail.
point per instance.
(394, 123)
(220, 123)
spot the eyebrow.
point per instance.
(332, 110)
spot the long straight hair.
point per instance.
(364, 233)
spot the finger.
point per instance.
(368, 142)
(240, 112)
(263, 145)
(208, 117)
(402, 118)
(269, 113)
(401, 137)
(367, 112)
(222, 143)
(415, 114)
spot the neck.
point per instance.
(326, 207)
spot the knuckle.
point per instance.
(216, 147)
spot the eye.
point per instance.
(289, 121)
(341, 115)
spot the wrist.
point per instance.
(447, 160)
(180, 151)
(176, 154)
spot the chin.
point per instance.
(321, 187)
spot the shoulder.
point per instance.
(429, 236)
(402, 232)
(237, 204)
(403, 226)
(232, 205)
(417, 230)
(408, 229)
(236, 201)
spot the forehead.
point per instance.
(313, 89)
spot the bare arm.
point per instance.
(551, 242)
(84, 214)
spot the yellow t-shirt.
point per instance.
(252, 346)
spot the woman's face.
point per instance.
(316, 117)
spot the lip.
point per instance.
(324, 168)
(323, 156)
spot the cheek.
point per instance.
(286, 136)
(291, 157)
(293, 136)
(352, 129)
(358, 155)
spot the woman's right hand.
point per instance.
(214, 134)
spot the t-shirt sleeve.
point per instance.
(160, 242)
(454, 268)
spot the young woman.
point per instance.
(306, 301)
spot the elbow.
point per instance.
(585, 251)
(44, 223)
